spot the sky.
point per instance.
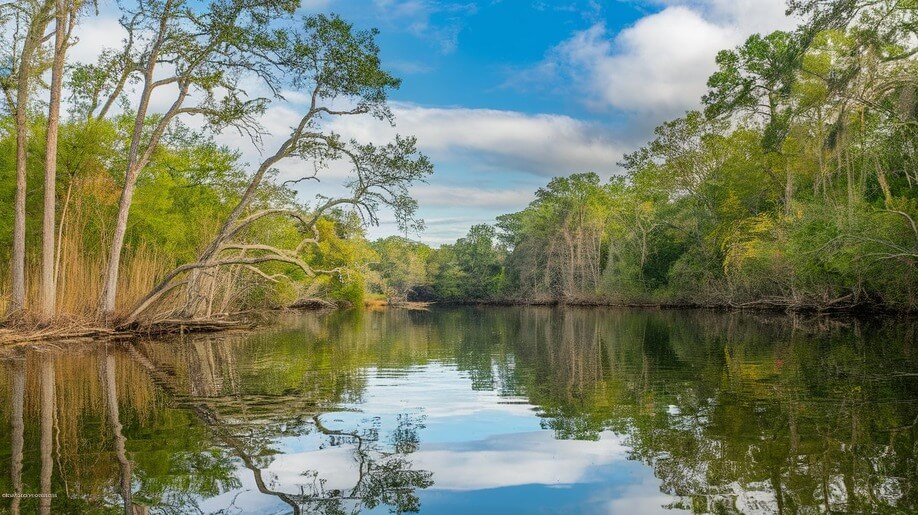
(503, 95)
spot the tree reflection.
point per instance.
(734, 413)
(48, 399)
(386, 476)
(17, 431)
(109, 388)
(65, 404)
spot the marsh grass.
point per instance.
(79, 273)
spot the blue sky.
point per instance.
(505, 94)
(557, 87)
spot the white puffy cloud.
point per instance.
(542, 144)
(487, 161)
(658, 66)
(743, 16)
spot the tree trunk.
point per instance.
(110, 287)
(135, 163)
(60, 234)
(788, 191)
(17, 266)
(107, 302)
(48, 286)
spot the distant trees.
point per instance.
(470, 269)
(558, 242)
(402, 266)
(796, 186)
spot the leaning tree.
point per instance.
(340, 68)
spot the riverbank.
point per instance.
(772, 305)
(75, 331)
(72, 332)
(80, 330)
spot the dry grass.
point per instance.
(375, 303)
(80, 270)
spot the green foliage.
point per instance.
(190, 205)
(401, 266)
(470, 269)
(797, 186)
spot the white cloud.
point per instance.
(542, 144)
(743, 16)
(657, 67)
(536, 458)
(488, 161)
(501, 461)
(95, 34)
(461, 196)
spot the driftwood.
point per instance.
(77, 333)
(411, 305)
(60, 334)
(314, 304)
(182, 326)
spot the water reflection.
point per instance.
(460, 410)
(109, 388)
(17, 402)
(48, 399)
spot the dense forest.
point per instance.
(795, 186)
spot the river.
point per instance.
(471, 410)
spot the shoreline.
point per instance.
(861, 310)
(71, 332)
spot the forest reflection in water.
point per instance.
(461, 408)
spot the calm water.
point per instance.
(497, 410)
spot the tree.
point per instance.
(558, 240)
(758, 79)
(34, 17)
(480, 262)
(65, 14)
(401, 266)
(333, 61)
(209, 48)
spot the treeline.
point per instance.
(797, 186)
(116, 203)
